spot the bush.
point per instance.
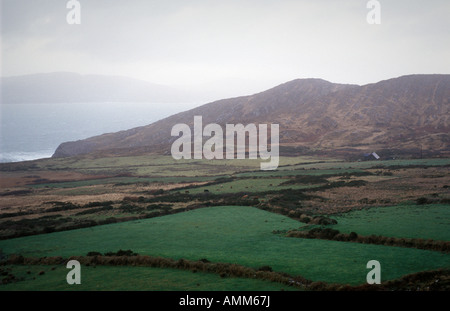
(129, 207)
(265, 268)
(156, 192)
(63, 206)
(95, 210)
(353, 236)
(204, 260)
(422, 200)
(121, 252)
(321, 220)
(159, 206)
(305, 219)
(16, 259)
(94, 254)
(96, 204)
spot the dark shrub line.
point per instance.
(16, 192)
(95, 210)
(335, 235)
(217, 181)
(425, 200)
(63, 206)
(397, 167)
(318, 179)
(15, 214)
(305, 179)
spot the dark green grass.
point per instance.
(122, 181)
(299, 171)
(112, 278)
(404, 221)
(248, 185)
(371, 164)
(233, 234)
(150, 165)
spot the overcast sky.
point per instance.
(235, 47)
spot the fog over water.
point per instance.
(34, 131)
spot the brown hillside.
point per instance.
(408, 112)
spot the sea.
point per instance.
(34, 131)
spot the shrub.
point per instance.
(159, 206)
(156, 192)
(129, 207)
(62, 206)
(16, 259)
(305, 219)
(321, 220)
(49, 229)
(109, 220)
(95, 210)
(353, 236)
(422, 200)
(265, 268)
(121, 253)
(96, 204)
(94, 254)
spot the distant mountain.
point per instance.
(65, 87)
(408, 112)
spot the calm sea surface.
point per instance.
(34, 131)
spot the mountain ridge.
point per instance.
(406, 112)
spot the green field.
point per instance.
(249, 185)
(157, 166)
(233, 234)
(327, 165)
(430, 221)
(121, 181)
(298, 172)
(112, 278)
(247, 236)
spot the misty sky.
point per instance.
(234, 47)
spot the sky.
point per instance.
(230, 48)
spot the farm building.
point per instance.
(371, 156)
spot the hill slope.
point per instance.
(408, 112)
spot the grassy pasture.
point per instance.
(250, 185)
(122, 181)
(233, 234)
(326, 165)
(404, 221)
(299, 172)
(158, 166)
(123, 278)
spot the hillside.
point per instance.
(406, 113)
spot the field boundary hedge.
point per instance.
(427, 280)
(335, 235)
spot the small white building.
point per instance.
(375, 155)
(368, 156)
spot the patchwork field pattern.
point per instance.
(225, 212)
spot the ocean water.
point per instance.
(34, 131)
